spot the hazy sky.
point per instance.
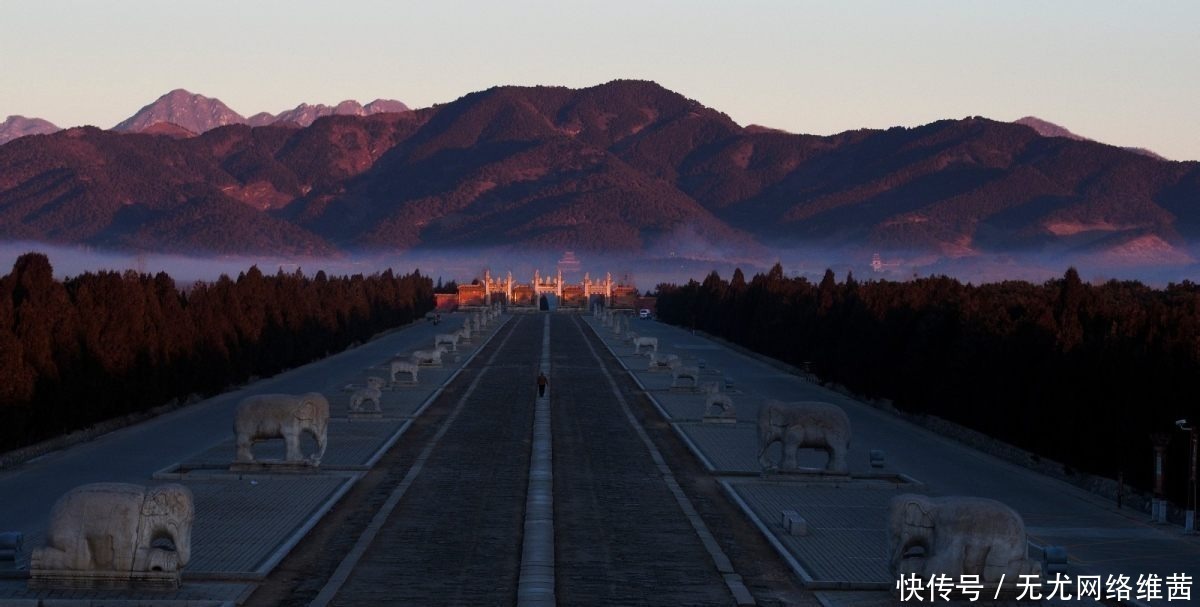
(1126, 73)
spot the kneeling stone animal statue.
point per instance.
(685, 377)
(371, 394)
(958, 536)
(429, 357)
(117, 532)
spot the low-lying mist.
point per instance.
(643, 271)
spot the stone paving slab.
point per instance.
(654, 381)
(352, 446)
(13, 593)
(622, 538)
(884, 598)
(241, 524)
(847, 538)
(455, 537)
(856, 598)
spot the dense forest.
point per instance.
(1078, 373)
(104, 344)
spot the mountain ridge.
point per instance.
(1046, 128)
(623, 167)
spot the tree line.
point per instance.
(103, 344)
(1078, 373)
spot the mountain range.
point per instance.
(181, 113)
(627, 166)
(199, 114)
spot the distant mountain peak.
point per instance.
(191, 111)
(1045, 128)
(20, 126)
(305, 113)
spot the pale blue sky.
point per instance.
(1126, 73)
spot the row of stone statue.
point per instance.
(118, 534)
(928, 536)
(796, 425)
(410, 364)
(289, 416)
(114, 534)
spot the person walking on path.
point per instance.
(541, 383)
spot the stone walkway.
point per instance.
(455, 536)
(621, 535)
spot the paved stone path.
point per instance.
(455, 536)
(622, 539)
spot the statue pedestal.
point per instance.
(274, 465)
(118, 580)
(688, 389)
(719, 419)
(365, 415)
(820, 474)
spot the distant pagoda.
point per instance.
(568, 264)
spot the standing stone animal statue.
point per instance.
(429, 357)
(809, 424)
(650, 343)
(118, 532)
(286, 416)
(957, 536)
(717, 403)
(450, 340)
(403, 365)
(630, 336)
(464, 335)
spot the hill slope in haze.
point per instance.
(20, 126)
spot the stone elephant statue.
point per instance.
(286, 416)
(119, 529)
(957, 536)
(810, 424)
